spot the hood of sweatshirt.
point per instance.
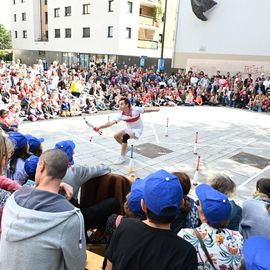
(30, 212)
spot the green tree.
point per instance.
(5, 38)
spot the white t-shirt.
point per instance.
(133, 120)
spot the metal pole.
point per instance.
(164, 30)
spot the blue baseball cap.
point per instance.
(33, 142)
(215, 205)
(257, 253)
(30, 166)
(163, 190)
(68, 147)
(136, 194)
(18, 140)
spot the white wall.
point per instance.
(98, 20)
(20, 25)
(238, 27)
(128, 46)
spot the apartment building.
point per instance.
(81, 31)
(234, 38)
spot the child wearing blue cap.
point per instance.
(213, 237)
(150, 244)
(35, 144)
(21, 153)
(257, 253)
(30, 167)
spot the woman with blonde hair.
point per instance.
(7, 186)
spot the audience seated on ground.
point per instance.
(256, 211)
(49, 233)
(188, 216)
(216, 246)
(224, 184)
(150, 244)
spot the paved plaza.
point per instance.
(231, 141)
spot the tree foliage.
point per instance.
(5, 38)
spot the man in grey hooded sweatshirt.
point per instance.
(40, 228)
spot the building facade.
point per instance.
(81, 31)
(234, 38)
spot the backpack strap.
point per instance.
(118, 220)
(204, 248)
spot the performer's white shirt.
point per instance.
(133, 120)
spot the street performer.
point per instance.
(132, 117)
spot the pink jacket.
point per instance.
(6, 184)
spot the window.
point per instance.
(24, 34)
(110, 6)
(16, 34)
(46, 17)
(57, 33)
(22, 1)
(24, 16)
(14, 2)
(86, 32)
(128, 32)
(15, 17)
(45, 2)
(47, 35)
(110, 31)
(67, 11)
(56, 12)
(130, 6)
(86, 9)
(68, 33)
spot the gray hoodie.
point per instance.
(78, 175)
(41, 230)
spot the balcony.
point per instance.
(148, 21)
(150, 3)
(41, 40)
(147, 44)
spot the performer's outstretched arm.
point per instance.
(151, 109)
(108, 124)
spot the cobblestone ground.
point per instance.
(231, 141)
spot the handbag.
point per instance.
(204, 248)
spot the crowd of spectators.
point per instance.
(162, 226)
(33, 93)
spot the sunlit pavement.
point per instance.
(223, 133)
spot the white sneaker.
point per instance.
(120, 160)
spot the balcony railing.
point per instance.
(147, 44)
(151, 2)
(146, 20)
(41, 39)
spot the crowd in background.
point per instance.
(33, 93)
